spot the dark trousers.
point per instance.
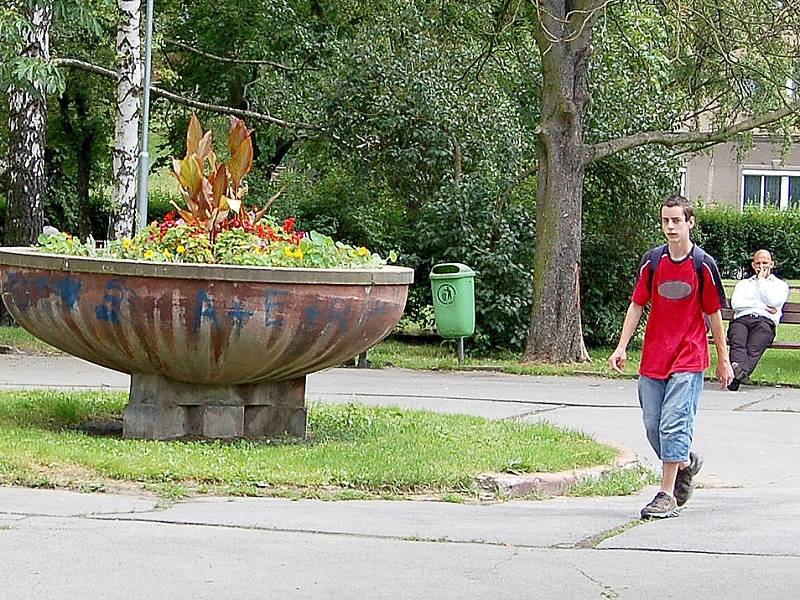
(748, 338)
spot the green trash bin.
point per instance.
(453, 287)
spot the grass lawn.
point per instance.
(18, 338)
(352, 452)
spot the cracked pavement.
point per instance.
(737, 537)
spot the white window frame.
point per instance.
(682, 172)
(784, 175)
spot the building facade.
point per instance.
(758, 177)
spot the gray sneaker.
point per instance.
(661, 507)
(684, 486)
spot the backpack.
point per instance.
(698, 256)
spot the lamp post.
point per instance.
(144, 156)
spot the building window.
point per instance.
(682, 191)
(762, 189)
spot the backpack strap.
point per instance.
(699, 255)
(654, 256)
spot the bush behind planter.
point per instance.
(732, 237)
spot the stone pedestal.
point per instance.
(161, 408)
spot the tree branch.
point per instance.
(667, 138)
(235, 61)
(156, 91)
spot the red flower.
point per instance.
(288, 225)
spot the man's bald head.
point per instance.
(762, 254)
(762, 260)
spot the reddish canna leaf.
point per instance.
(241, 162)
(219, 182)
(191, 175)
(205, 199)
(193, 135)
(204, 147)
(236, 134)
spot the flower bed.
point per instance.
(215, 227)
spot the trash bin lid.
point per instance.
(450, 271)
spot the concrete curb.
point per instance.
(508, 485)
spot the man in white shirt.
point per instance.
(757, 303)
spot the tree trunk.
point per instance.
(563, 39)
(82, 141)
(26, 138)
(129, 78)
(84, 160)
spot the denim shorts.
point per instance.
(668, 410)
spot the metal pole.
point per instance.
(144, 156)
(460, 351)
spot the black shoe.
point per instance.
(734, 384)
(738, 372)
(661, 507)
(684, 485)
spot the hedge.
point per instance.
(732, 237)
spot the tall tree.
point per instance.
(129, 77)
(731, 61)
(26, 130)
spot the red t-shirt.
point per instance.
(675, 338)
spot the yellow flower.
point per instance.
(363, 251)
(298, 253)
(149, 254)
(180, 249)
(126, 243)
(288, 251)
(167, 254)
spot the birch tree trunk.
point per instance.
(27, 117)
(129, 79)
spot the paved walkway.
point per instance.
(737, 538)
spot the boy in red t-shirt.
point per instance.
(675, 350)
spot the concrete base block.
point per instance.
(154, 422)
(216, 422)
(160, 408)
(274, 421)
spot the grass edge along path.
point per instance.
(354, 452)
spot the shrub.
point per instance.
(457, 227)
(732, 237)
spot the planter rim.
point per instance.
(27, 257)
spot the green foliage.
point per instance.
(338, 197)
(61, 206)
(159, 203)
(458, 228)
(732, 237)
(621, 201)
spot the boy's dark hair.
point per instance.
(678, 200)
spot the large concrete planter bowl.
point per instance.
(213, 350)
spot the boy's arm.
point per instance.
(617, 360)
(724, 369)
